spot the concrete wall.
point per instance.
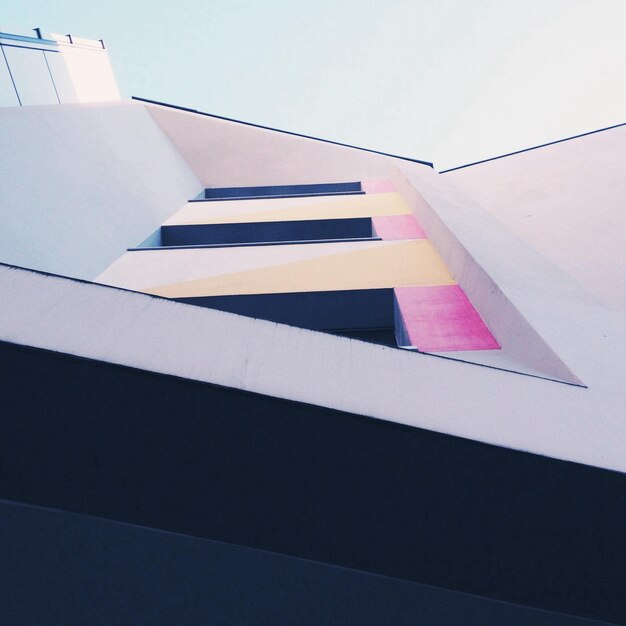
(231, 154)
(93, 570)
(72, 206)
(493, 268)
(337, 488)
(565, 202)
(506, 409)
(81, 183)
(471, 243)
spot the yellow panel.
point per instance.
(349, 206)
(402, 264)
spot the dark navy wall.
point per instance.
(318, 310)
(218, 193)
(301, 230)
(384, 336)
(311, 482)
(63, 569)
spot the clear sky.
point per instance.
(450, 81)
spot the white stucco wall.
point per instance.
(482, 255)
(512, 287)
(549, 418)
(80, 183)
(567, 203)
(231, 154)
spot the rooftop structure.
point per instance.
(54, 69)
(255, 377)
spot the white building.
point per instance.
(231, 463)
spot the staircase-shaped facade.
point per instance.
(347, 258)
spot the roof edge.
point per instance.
(542, 145)
(27, 39)
(278, 130)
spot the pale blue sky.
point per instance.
(451, 81)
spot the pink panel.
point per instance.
(398, 227)
(377, 186)
(442, 319)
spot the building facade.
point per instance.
(253, 377)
